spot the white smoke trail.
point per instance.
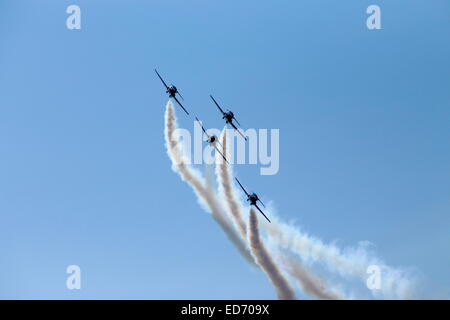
(226, 188)
(352, 262)
(309, 282)
(204, 194)
(262, 257)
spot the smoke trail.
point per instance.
(396, 283)
(284, 291)
(191, 177)
(349, 262)
(310, 283)
(353, 262)
(226, 189)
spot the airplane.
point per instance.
(253, 198)
(172, 91)
(212, 140)
(229, 117)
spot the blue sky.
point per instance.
(84, 176)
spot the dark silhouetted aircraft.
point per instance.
(212, 140)
(172, 91)
(253, 199)
(229, 117)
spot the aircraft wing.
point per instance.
(161, 79)
(181, 105)
(262, 212)
(217, 104)
(242, 187)
(261, 202)
(217, 149)
(234, 118)
(202, 127)
(237, 129)
(218, 142)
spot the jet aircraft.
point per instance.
(253, 199)
(172, 91)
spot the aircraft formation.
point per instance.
(230, 119)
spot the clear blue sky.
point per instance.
(84, 176)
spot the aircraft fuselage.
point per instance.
(172, 91)
(253, 198)
(212, 139)
(228, 116)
